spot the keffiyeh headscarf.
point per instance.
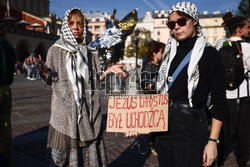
(76, 61)
(188, 8)
(171, 48)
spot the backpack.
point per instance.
(232, 58)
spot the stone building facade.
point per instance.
(36, 7)
(96, 23)
(211, 26)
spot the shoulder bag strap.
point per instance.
(183, 63)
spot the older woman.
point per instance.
(75, 134)
(189, 71)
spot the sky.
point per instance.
(123, 7)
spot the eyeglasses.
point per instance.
(181, 22)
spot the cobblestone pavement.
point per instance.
(30, 117)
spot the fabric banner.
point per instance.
(140, 113)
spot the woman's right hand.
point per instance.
(43, 67)
(41, 62)
(209, 154)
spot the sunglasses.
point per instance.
(181, 22)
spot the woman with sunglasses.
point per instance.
(189, 71)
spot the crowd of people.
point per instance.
(30, 67)
(187, 67)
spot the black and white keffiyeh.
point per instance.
(220, 43)
(171, 48)
(76, 61)
(188, 8)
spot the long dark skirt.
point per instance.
(91, 156)
(71, 153)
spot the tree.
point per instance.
(243, 9)
(144, 38)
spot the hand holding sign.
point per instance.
(132, 134)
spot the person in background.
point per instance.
(238, 115)
(145, 58)
(18, 67)
(30, 65)
(75, 134)
(150, 70)
(7, 68)
(130, 68)
(149, 76)
(34, 67)
(26, 65)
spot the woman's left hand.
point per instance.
(117, 69)
(210, 153)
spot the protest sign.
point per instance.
(140, 113)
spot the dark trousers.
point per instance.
(183, 144)
(236, 132)
(5, 123)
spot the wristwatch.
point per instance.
(214, 140)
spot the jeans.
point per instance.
(5, 123)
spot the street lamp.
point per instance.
(137, 31)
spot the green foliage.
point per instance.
(144, 38)
(243, 9)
